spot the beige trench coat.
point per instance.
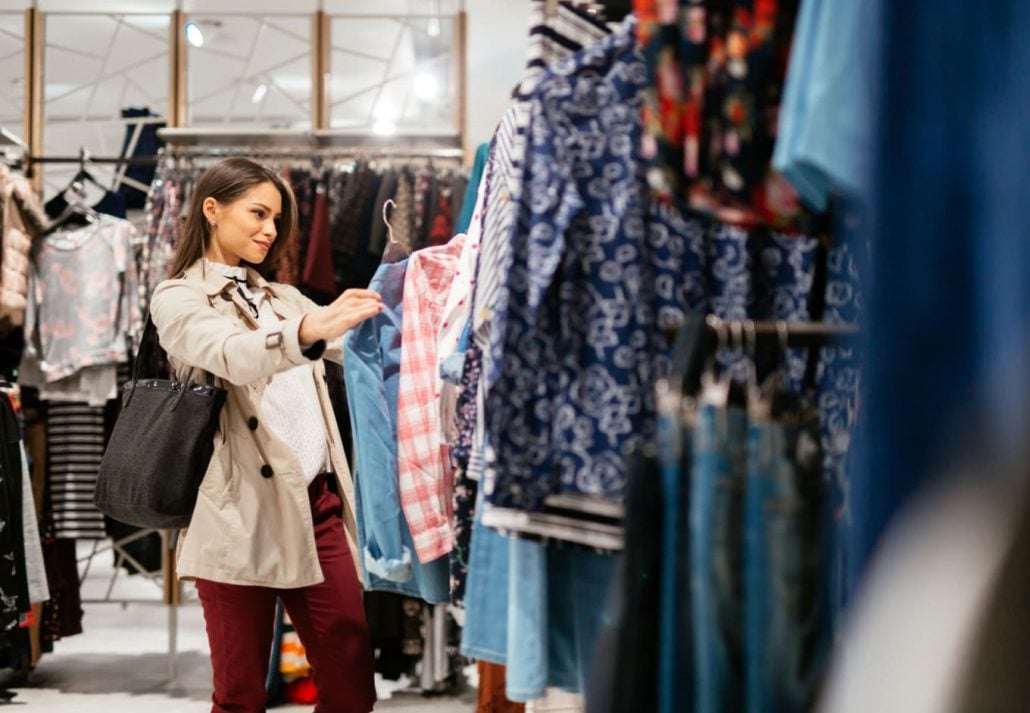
(252, 522)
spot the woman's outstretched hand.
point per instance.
(332, 321)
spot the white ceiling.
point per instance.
(348, 7)
(97, 63)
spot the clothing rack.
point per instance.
(749, 333)
(313, 154)
(700, 338)
(336, 141)
(165, 580)
(84, 159)
(115, 160)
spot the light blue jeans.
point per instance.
(485, 634)
(557, 594)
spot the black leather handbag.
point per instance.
(160, 447)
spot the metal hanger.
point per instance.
(77, 205)
(394, 252)
(715, 390)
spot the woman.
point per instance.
(275, 513)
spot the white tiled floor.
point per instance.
(120, 663)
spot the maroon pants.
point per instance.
(329, 618)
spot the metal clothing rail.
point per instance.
(427, 143)
(85, 159)
(696, 342)
(115, 160)
(342, 152)
(747, 333)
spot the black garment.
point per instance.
(12, 346)
(14, 587)
(304, 185)
(346, 217)
(62, 615)
(459, 184)
(624, 677)
(365, 263)
(431, 205)
(147, 144)
(389, 627)
(378, 236)
(338, 398)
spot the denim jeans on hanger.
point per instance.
(784, 605)
(557, 595)
(675, 675)
(716, 522)
(485, 634)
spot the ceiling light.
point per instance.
(433, 29)
(384, 127)
(426, 86)
(193, 34)
(259, 93)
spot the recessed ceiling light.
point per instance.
(193, 34)
(259, 93)
(426, 86)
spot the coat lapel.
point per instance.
(243, 307)
(220, 287)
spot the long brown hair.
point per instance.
(226, 181)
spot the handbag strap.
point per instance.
(147, 346)
(146, 349)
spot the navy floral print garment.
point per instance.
(590, 279)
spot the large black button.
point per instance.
(252, 423)
(266, 471)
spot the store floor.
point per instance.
(120, 663)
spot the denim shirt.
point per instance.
(372, 355)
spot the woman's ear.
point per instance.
(212, 209)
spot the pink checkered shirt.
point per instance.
(422, 463)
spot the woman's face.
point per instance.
(244, 230)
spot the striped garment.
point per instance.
(554, 39)
(75, 446)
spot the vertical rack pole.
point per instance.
(461, 79)
(320, 53)
(34, 90)
(176, 118)
(172, 596)
(177, 69)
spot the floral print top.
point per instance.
(716, 74)
(84, 300)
